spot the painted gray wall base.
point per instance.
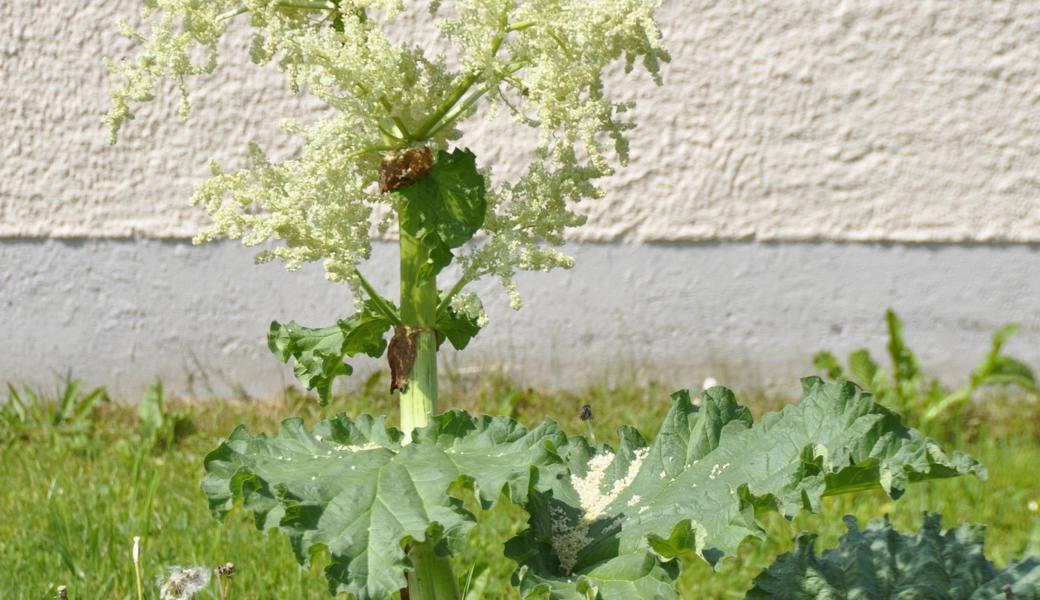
(122, 313)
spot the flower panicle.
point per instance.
(543, 61)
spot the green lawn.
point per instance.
(74, 498)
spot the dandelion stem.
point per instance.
(135, 555)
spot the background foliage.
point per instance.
(79, 503)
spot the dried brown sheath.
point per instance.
(401, 356)
(402, 168)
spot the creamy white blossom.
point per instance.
(470, 306)
(541, 60)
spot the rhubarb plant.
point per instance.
(382, 496)
(880, 562)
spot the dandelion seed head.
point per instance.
(182, 583)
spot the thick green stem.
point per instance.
(418, 312)
(431, 577)
(419, 401)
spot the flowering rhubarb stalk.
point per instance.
(606, 523)
(387, 153)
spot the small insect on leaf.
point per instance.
(586, 412)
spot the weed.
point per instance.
(924, 402)
(67, 414)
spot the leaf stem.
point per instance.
(559, 41)
(390, 135)
(381, 302)
(440, 118)
(455, 114)
(302, 4)
(432, 577)
(368, 149)
(455, 289)
(231, 14)
(424, 130)
(461, 110)
(522, 25)
(389, 108)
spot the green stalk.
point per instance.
(376, 297)
(431, 577)
(446, 301)
(456, 95)
(419, 312)
(135, 555)
(419, 401)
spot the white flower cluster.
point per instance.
(469, 305)
(570, 538)
(543, 60)
(178, 28)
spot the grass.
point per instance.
(73, 502)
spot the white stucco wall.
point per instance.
(790, 137)
(780, 120)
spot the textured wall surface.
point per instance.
(121, 313)
(780, 120)
(804, 124)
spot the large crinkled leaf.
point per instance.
(352, 487)
(319, 352)
(879, 563)
(699, 486)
